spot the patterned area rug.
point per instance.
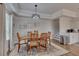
(53, 50)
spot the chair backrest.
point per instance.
(44, 36)
(33, 36)
(18, 36)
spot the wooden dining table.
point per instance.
(28, 40)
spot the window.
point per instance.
(8, 26)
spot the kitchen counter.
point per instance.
(73, 37)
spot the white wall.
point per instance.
(23, 25)
(68, 23)
(65, 23)
(55, 26)
(76, 23)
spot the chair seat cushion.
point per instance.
(34, 43)
(43, 42)
(22, 41)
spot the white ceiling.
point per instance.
(48, 8)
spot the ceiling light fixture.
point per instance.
(35, 15)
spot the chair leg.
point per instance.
(40, 47)
(45, 46)
(18, 47)
(30, 49)
(37, 48)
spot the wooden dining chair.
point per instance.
(20, 38)
(33, 41)
(43, 40)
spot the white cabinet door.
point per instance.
(74, 38)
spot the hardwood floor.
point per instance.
(74, 48)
